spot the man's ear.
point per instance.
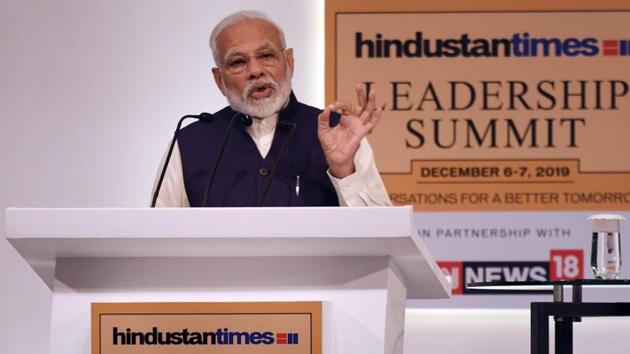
(289, 54)
(216, 72)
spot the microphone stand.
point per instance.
(204, 117)
(206, 194)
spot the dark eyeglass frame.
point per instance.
(267, 57)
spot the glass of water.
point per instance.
(606, 246)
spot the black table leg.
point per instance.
(539, 327)
(564, 335)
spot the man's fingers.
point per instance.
(372, 97)
(323, 121)
(375, 119)
(367, 114)
(361, 97)
(342, 107)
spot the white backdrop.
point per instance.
(89, 94)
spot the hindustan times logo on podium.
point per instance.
(230, 328)
(222, 336)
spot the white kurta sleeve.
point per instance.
(364, 187)
(173, 191)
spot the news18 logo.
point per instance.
(562, 265)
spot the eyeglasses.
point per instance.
(238, 63)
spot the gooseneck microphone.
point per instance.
(206, 193)
(282, 124)
(203, 117)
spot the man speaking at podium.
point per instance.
(279, 152)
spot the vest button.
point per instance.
(263, 172)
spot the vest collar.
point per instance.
(287, 114)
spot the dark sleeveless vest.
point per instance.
(242, 173)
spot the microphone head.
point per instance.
(206, 117)
(246, 120)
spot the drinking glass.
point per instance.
(606, 246)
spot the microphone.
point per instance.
(291, 126)
(206, 194)
(246, 120)
(205, 118)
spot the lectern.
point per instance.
(362, 263)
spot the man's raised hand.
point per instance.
(340, 143)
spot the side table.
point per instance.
(564, 313)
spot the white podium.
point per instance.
(363, 263)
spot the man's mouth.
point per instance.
(262, 91)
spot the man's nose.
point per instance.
(255, 69)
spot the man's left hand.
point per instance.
(340, 143)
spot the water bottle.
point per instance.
(606, 246)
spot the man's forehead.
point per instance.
(244, 37)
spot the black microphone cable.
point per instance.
(204, 117)
(291, 127)
(206, 194)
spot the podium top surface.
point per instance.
(42, 235)
(209, 222)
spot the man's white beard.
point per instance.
(264, 107)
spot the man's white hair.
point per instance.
(236, 18)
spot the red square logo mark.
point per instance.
(566, 264)
(281, 338)
(611, 47)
